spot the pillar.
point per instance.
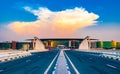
(69, 45)
(73, 44)
(13, 44)
(49, 44)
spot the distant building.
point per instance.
(118, 45)
(72, 43)
(13, 44)
(108, 44)
(23, 45)
(5, 45)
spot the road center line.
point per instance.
(77, 72)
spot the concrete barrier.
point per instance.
(110, 56)
(13, 55)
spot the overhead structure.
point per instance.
(85, 43)
(72, 43)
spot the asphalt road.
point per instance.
(37, 63)
(92, 63)
(84, 62)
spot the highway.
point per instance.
(37, 63)
(77, 62)
(92, 63)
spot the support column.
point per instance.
(49, 44)
(73, 44)
(84, 44)
(69, 44)
(33, 44)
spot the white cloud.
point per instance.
(55, 24)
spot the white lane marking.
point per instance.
(111, 66)
(55, 67)
(1, 70)
(53, 72)
(66, 64)
(28, 60)
(46, 71)
(69, 72)
(67, 67)
(77, 72)
(56, 64)
(60, 62)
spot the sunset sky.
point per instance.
(24, 19)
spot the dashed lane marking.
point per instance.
(28, 60)
(1, 70)
(111, 66)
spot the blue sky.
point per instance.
(108, 11)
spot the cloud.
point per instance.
(105, 32)
(55, 23)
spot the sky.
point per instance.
(24, 19)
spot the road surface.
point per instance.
(37, 63)
(93, 63)
(77, 62)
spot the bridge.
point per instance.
(72, 43)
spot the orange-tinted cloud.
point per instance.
(55, 24)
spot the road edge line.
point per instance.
(46, 71)
(77, 72)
